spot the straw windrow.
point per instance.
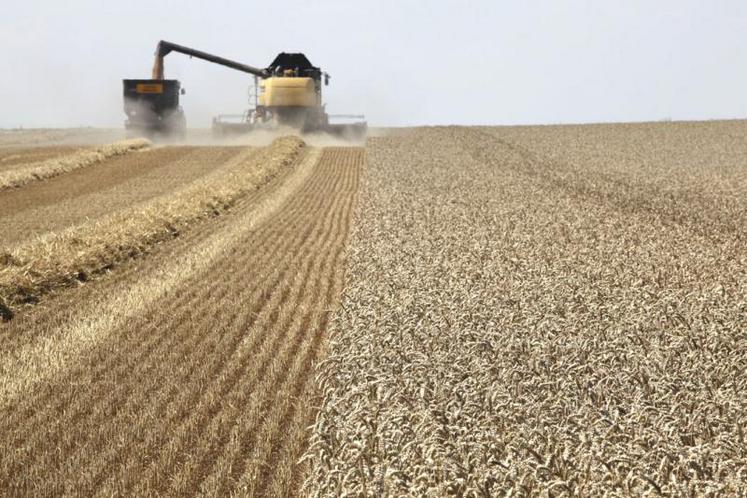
(58, 165)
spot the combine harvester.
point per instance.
(288, 93)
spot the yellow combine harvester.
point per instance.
(289, 94)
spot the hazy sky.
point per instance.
(400, 62)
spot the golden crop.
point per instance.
(551, 311)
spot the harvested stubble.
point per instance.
(188, 372)
(92, 193)
(60, 258)
(20, 157)
(502, 331)
(58, 165)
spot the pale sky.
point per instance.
(400, 62)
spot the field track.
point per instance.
(118, 182)
(191, 370)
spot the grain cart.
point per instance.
(152, 108)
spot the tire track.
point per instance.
(684, 201)
(207, 381)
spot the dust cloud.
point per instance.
(260, 138)
(43, 137)
(195, 136)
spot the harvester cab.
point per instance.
(288, 93)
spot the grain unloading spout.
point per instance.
(164, 48)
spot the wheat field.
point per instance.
(444, 311)
(547, 311)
